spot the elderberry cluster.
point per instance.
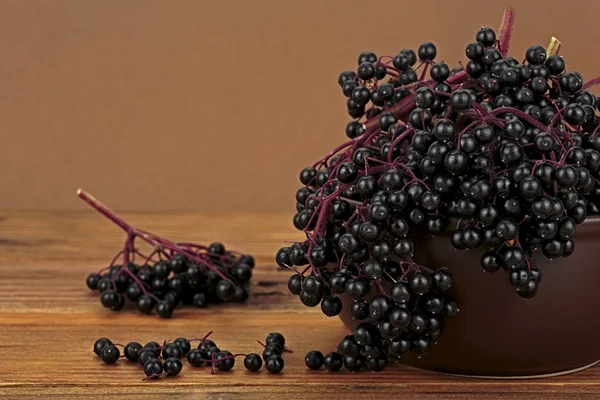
(165, 360)
(156, 360)
(500, 155)
(176, 279)
(409, 319)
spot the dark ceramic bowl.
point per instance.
(499, 334)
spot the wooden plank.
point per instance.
(49, 321)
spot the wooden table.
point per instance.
(49, 321)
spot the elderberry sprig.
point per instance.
(164, 360)
(171, 273)
(498, 154)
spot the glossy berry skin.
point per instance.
(110, 354)
(173, 366)
(225, 290)
(274, 364)
(354, 364)
(92, 281)
(145, 304)
(348, 346)
(427, 51)
(172, 350)
(460, 100)
(333, 361)
(132, 350)
(100, 344)
(164, 309)
(224, 361)
(295, 284)
(253, 362)
(195, 358)
(271, 349)
(331, 306)
(314, 359)
(145, 355)
(486, 36)
(153, 367)
(183, 344)
(535, 55)
(377, 364)
(420, 283)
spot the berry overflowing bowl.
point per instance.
(458, 189)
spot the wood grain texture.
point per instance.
(49, 321)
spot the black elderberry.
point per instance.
(164, 309)
(354, 364)
(314, 359)
(387, 330)
(331, 306)
(110, 354)
(513, 257)
(552, 248)
(92, 281)
(420, 118)
(295, 284)
(132, 350)
(225, 290)
(172, 350)
(475, 69)
(416, 216)
(408, 76)
(253, 362)
(333, 361)
(403, 248)
(172, 366)
(574, 114)
(570, 82)
(486, 36)
(401, 61)
(346, 76)
(379, 307)
(153, 367)
(313, 285)
(420, 283)
(195, 358)
(440, 72)
(427, 51)
(145, 355)
(224, 361)
(183, 344)
(274, 364)
(460, 100)
(366, 70)
(100, 344)
(424, 97)
(353, 129)
(348, 346)
(535, 55)
(310, 300)
(104, 284)
(442, 280)
(474, 51)
(368, 230)
(367, 56)
(568, 248)
(490, 56)
(555, 64)
(348, 87)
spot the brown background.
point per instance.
(212, 105)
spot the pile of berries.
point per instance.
(165, 360)
(500, 154)
(170, 274)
